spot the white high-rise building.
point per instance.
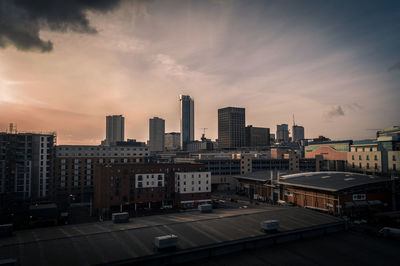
(156, 134)
(115, 129)
(187, 120)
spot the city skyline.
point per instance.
(336, 70)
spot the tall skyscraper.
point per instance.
(297, 133)
(282, 133)
(156, 134)
(115, 129)
(187, 120)
(231, 128)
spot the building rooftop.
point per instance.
(105, 242)
(263, 175)
(345, 248)
(330, 181)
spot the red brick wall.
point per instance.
(105, 189)
(328, 154)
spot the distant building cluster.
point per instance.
(174, 170)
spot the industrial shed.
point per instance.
(338, 193)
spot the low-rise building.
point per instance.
(130, 187)
(74, 171)
(333, 153)
(338, 193)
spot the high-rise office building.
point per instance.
(297, 133)
(26, 167)
(282, 133)
(172, 140)
(156, 134)
(231, 128)
(187, 120)
(115, 129)
(257, 136)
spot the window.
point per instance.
(376, 166)
(359, 157)
(394, 167)
(360, 165)
(376, 157)
(352, 157)
(367, 165)
(394, 158)
(367, 157)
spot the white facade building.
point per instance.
(192, 182)
(152, 180)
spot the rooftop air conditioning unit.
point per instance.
(270, 226)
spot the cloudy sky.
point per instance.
(65, 65)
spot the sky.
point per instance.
(65, 65)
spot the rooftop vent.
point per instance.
(166, 242)
(270, 226)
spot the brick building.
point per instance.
(137, 186)
(338, 193)
(333, 153)
(74, 171)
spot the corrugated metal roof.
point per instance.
(330, 181)
(99, 243)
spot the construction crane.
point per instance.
(294, 123)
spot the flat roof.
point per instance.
(263, 175)
(343, 248)
(105, 242)
(330, 181)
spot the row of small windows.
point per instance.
(101, 149)
(367, 166)
(364, 149)
(184, 189)
(104, 154)
(367, 157)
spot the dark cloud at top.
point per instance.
(334, 112)
(21, 20)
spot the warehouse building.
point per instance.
(338, 193)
